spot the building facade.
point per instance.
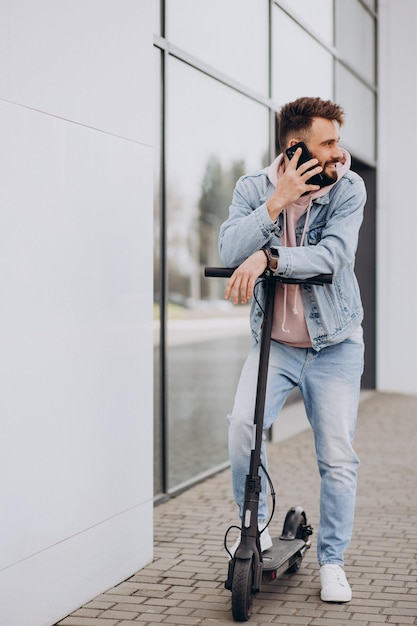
(124, 126)
(219, 88)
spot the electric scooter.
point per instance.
(249, 566)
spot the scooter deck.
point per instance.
(282, 556)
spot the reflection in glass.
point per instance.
(157, 17)
(359, 103)
(352, 17)
(300, 65)
(371, 4)
(231, 36)
(214, 135)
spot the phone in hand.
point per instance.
(305, 156)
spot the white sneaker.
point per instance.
(266, 541)
(334, 586)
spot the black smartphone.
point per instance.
(305, 156)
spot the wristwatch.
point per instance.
(274, 256)
(271, 258)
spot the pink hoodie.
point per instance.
(289, 325)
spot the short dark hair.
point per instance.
(297, 117)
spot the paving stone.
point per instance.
(87, 621)
(184, 585)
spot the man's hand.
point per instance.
(242, 281)
(292, 184)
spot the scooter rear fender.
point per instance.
(293, 520)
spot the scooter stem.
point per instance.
(258, 419)
(253, 480)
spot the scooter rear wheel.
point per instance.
(242, 585)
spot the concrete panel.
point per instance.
(75, 330)
(51, 584)
(88, 61)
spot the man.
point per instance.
(317, 341)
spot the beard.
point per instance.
(329, 177)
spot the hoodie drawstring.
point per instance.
(297, 288)
(284, 314)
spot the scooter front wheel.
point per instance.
(242, 586)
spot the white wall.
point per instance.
(76, 302)
(397, 202)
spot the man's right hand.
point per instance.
(292, 184)
(242, 282)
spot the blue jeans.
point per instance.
(329, 381)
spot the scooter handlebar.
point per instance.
(218, 272)
(226, 272)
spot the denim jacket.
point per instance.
(332, 311)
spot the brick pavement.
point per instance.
(184, 584)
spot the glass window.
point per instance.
(214, 135)
(371, 4)
(355, 37)
(231, 36)
(358, 133)
(317, 16)
(300, 66)
(157, 17)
